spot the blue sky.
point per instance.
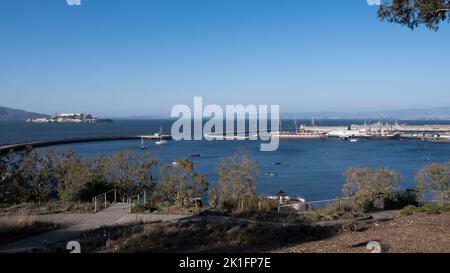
(141, 57)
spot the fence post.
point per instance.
(95, 204)
(115, 196)
(105, 201)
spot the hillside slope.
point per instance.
(8, 114)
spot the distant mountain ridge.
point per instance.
(9, 114)
(438, 113)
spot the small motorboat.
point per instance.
(161, 142)
(353, 140)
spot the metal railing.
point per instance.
(105, 196)
(140, 198)
(321, 204)
(316, 205)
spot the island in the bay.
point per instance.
(69, 118)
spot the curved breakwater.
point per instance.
(39, 144)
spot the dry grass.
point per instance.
(199, 237)
(179, 210)
(418, 233)
(22, 226)
(46, 208)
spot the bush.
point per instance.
(249, 204)
(434, 179)
(408, 210)
(445, 208)
(400, 200)
(370, 188)
(432, 209)
(96, 186)
(140, 208)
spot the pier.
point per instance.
(39, 144)
(405, 131)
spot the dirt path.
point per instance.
(419, 233)
(77, 224)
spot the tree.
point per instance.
(74, 173)
(180, 184)
(25, 177)
(412, 13)
(435, 179)
(13, 188)
(238, 175)
(369, 188)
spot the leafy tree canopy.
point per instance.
(413, 13)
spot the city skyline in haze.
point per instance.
(116, 58)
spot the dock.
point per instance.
(405, 131)
(39, 144)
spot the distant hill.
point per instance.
(439, 113)
(8, 114)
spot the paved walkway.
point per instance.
(77, 224)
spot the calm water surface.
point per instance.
(312, 169)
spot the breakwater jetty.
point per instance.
(38, 144)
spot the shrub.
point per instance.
(399, 200)
(249, 204)
(445, 208)
(238, 175)
(435, 179)
(139, 208)
(408, 210)
(432, 209)
(96, 186)
(370, 188)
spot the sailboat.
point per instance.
(143, 146)
(160, 141)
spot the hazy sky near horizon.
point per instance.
(141, 57)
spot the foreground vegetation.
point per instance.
(61, 181)
(417, 233)
(198, 236)
(35, 183)
(21, 227)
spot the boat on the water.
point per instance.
(438, 139)
(143, 146)
(160, 140)
(382, 134)
(384, 137)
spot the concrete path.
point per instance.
(77, 224)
